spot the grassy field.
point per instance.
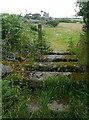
(60, 36)
(80, 19)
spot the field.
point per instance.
(60, 36)
(75, 19)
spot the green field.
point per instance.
(80, 19)
(60, 36)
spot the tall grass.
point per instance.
(83, 49)
(73, 91)
(62, 89)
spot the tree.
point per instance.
(84, 12)
(36, 16)
(84, 42)
(28, 16)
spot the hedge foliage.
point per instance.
(53, 23)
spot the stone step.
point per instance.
(54, 66)
(37, 78)
(34, 105)
(58, 58)
(61, 53)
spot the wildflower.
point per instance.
(30, 75)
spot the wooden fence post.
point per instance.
(39, 32)
(40, 35)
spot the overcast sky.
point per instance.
(55, 8)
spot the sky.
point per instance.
(55, 8)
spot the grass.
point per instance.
(81, 19)
(67, 91)
(17, 91)
(60, 36)
(62, 89)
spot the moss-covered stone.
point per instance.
(8, 63)
(58, 58)
(71, 57)
(54, 66)
(80, 76)
(61, 53)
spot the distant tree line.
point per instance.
(38, 16)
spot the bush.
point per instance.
(13, 98)
(12, 33)
(10, 93)
(84, 39)
(18, 36)
(11, 28)
(34, 27)
(83, 54)
(53, 23)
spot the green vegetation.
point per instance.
(62, 37)
(77, 19)
(20, 46)
(52, 23)
(84, 39)
(20, 37)
(67, 91)
(70, 20)
(84, 12)
(13, 99)
(69, 36)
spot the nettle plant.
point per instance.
(19, 35)
(12, 30)
(12, 26)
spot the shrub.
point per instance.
(11, 28)
(84, 39)
(20, 37)
(53, 23)
(10, 93)
(13, 96)
(34, 27)
(83, 50)
(12, 37)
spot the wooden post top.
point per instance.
(39, 32)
